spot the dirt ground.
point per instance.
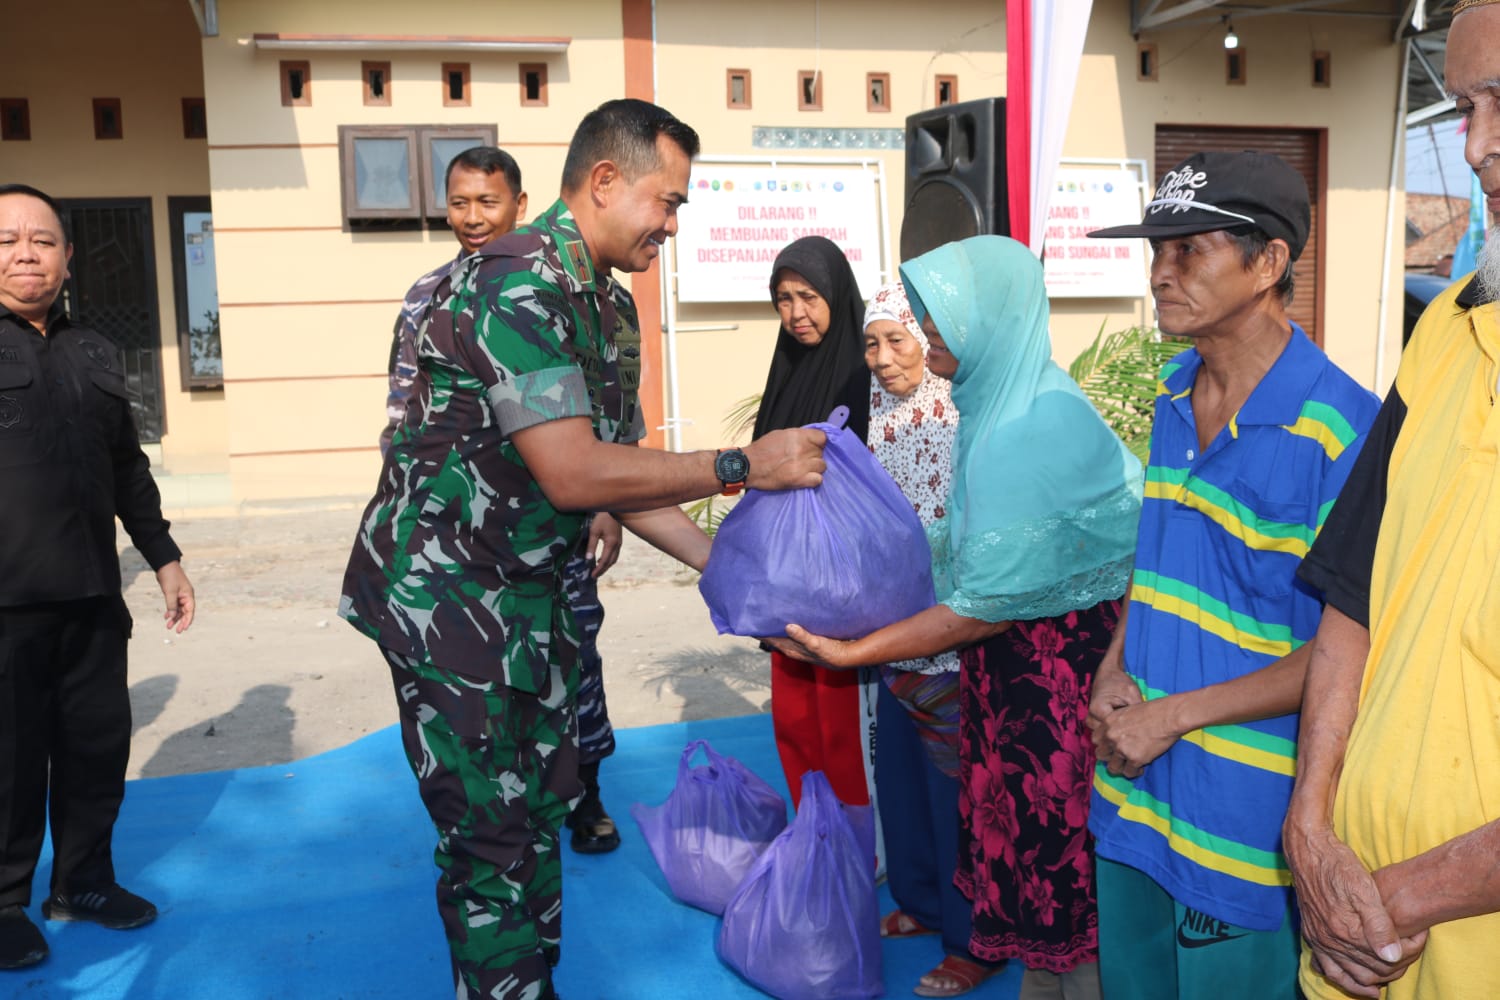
(269, 673)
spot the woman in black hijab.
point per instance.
(820, 352)
(819, 364)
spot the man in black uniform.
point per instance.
(70, 462)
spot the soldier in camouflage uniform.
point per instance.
(526, 394)
(485, 199)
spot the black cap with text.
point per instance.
(1212, 191)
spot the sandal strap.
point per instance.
(964, 972)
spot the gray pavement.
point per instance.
(269, 673)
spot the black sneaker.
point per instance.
(108, 906)
(21, 943)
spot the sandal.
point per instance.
(958, 975)
(899, 925)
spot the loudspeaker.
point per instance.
(955, 175)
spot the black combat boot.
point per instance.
(593, 831)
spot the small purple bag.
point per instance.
(718, 820)
(841, 559)
(805, 924)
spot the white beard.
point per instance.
(1489, 264)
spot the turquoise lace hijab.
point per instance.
(1045, 498)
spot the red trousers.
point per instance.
(815, 715)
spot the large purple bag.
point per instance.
(718, 820)
(805, 924)
(842, 559)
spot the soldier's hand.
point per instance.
(604, 542)
(787, 459)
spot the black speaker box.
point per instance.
(955, 175)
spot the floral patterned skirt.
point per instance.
(1025, 856)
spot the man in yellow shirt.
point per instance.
(1393, 835)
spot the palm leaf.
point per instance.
(707, 514)
(1117, 372)
(740, 420)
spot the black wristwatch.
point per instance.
(732, 468)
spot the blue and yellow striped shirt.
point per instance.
(1214, 596)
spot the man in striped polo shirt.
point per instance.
(1194, 709)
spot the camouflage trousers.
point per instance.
(498, 771)
(596, 737)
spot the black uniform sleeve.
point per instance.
(1342, 559)
(137, 499)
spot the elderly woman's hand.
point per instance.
(803, 645)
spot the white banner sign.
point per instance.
(738, 218)
(1079, 267)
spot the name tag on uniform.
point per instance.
(579, 255)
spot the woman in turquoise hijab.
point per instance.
(1030, 564)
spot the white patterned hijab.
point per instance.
(912, 435)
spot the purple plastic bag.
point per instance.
(842, 559)
(718, 820)
(805, 925)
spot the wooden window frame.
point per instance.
(937, 89)
(1145, 55)
(177, 207)
(423, 204)
(816, 76)
(288, 67)
(885, 81)
(102, 107)
(373, 100)
(1232, 58)
(194, 118)
(449, 101)
(348, 187)
(729, 101)
(482, 135)
(525, 70)
(1326, 59)
(9, 106)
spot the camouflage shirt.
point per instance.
(459, 556)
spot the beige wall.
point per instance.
(146, 53)
(307, 306)
(698, 42)
(1113, 117)
(1116, 116)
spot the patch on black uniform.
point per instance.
(97, 354)
(10, 411)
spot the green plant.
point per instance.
(1117, 372)
(740, 420)
(707, 513)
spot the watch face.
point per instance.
(732, 466)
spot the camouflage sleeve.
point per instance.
(402, 372)
(521, 323)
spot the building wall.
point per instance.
(1113, 117)
(60, 57)
(308, 306)
(1116, 116)
(697, 43)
